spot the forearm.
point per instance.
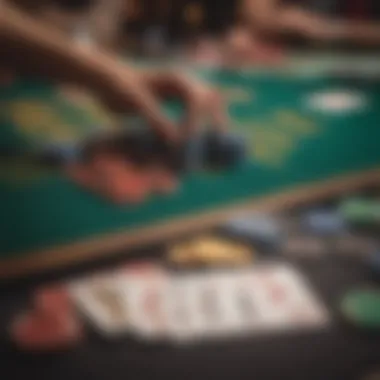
(30, 48)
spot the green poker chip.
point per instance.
(362, 308)
(360, 210)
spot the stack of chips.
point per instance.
(213, 150)
(264, 230)
(207, 150)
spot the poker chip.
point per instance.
(261, 228)
(193, 154)
(61, 154)
(360, 210)
(337, 101)
(32, 332)
(120, 181)
(50, 325)
(223, 150)
(210, 250)
(52, 299)
(213, 150)
(362, 308)
(324, 222)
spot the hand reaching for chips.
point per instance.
(202, 102)
(129, 167)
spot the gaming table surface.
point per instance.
(292, 145)
(295, 142)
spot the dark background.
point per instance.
(220, 15)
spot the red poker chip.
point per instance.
(53, 301)
(131, 187)
(52, 324)
(34, 332)
(121, 181)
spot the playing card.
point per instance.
(102, 299)
(145, 294)
(120, 300)
(286, 300)
(247, 298)
(181, 309)
(201, 307)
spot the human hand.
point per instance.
(202, 102)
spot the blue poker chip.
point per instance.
(323, 222)
(259, 228)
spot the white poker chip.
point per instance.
(339, 101)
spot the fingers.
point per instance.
(203, 104)
(219, 114)
(126, 92)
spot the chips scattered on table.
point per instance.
(210, 250)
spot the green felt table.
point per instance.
(295, 153)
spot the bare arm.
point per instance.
(30, 48)
(268, 15)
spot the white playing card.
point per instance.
(244, 296)
(145, 293)
(182, 312)
(286, 300)
(102, 299)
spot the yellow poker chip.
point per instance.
(210, 250)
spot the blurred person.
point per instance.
(260, 21)
(291, 17)
(35, 40)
